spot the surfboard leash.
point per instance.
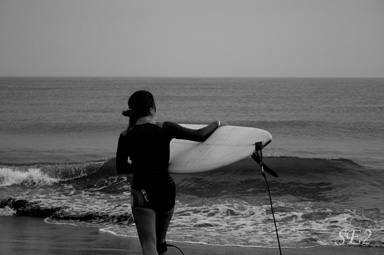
(174, 246)
(258, 157)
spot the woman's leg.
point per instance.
(162, 222)
(145, 220)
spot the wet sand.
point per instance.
(27, 236)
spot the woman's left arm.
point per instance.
(122, 165)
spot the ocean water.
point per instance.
(59, 137)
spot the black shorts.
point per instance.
(160, 198)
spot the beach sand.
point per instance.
(27, 236)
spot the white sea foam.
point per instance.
(28, 177)
(6, 211)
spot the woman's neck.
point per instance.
(145, 120)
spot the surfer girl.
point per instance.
(143, 150)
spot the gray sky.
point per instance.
(288, 38)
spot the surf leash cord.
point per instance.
(258, 157)
(174, 246)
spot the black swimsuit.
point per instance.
(147, 147)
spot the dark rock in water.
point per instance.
(12, 203)
(25, 208)
(4, 202)
(17, 204)
(36, 210)
(92, 217)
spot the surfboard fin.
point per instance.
(258, 157)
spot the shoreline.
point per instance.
(27, 235)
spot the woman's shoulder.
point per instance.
(168, 125)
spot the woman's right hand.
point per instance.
(221, 123)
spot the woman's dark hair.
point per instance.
(140, 104)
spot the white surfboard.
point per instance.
(227, 145)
